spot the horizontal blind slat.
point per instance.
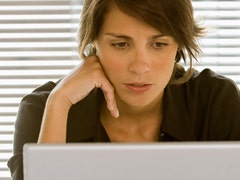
(221, 47)
(37, 44)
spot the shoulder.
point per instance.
(209, 87)
(31, 110)
(209, 84)
(205, 93)
(218, 103)
(40, 94)
(211, 78)
(36, 99)
(211, 102)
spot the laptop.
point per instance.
(133, 161)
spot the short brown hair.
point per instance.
(171, 17)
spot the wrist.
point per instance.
(58, 100)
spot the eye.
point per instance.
(159, 45)
(120, 45)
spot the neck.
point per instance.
(140, 112)
(135, 124)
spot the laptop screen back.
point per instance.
(120, 161)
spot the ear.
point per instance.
(179, 55)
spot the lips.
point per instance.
(138, 87)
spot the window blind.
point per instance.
(221, 46)
(37, 44)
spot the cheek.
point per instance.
(165, 62)
(112, 64)
(163, 70)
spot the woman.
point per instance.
(130, 87)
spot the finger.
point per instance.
(107, 89)
(110, 99)
(108, 92)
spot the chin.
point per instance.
(137, 102)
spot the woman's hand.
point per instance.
(81, 81)
(72, 89)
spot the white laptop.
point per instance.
(120, 161)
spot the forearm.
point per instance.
(72, 89)
(54, 122)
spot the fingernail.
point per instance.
(116, 113)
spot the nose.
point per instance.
(139, 64)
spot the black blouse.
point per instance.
(205, 108)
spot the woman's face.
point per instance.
(137, 58)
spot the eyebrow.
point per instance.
(121, 36)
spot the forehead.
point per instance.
(118, 21)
